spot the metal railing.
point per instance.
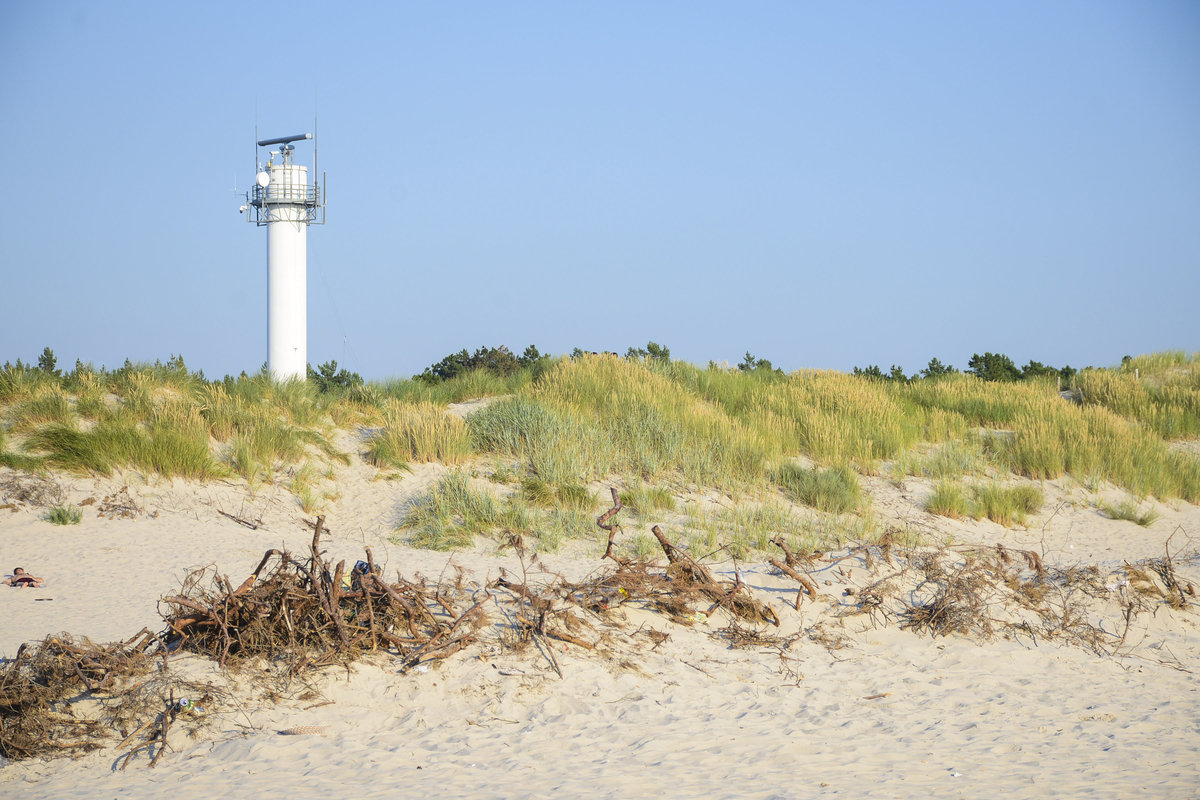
(308, 194)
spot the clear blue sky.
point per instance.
(824, 184)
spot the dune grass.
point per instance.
(165, 423)
(43, 405)
(741, 530)
(1162, 392)
(1004, 505)
(566, 496)
(749, 528)
(560, 525)
(643, 500)
(832, 417)
(450, 514)
(467, 385)
(1007, 505)
(112, 443)
(1047, 437)
(949, 500)
(18, 461)
(17, 383)
(64, 515)
(418, 432)
(600, 416)
(90, 393)
(257, 451)
(833, 490)
(636, 423)
(952, 459)
(303, 486)
(1128, 510)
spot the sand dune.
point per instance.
(854, 707)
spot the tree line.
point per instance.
(989, 367)
(502, 362)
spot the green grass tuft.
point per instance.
(833, 490)
(561, 524)
(1007, 506)
(450, 514)
(949, 500)
(64, 515)
(642, 500)
(571, 496)
(1128, 510)
(419, 432)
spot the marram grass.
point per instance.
(161, 449)
(601, 416)
(643, 500)
(64, 515)
(628, 422)
(949, 500)
(1007, 505)
(1164, 397)
(43, 405)
(567, 496)
(1128, 510)
(450, 513)
(833, 490)
(418, 432)
(1004, 505)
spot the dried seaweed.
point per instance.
(119, 505)
(32, 488)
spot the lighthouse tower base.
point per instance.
(287, 299)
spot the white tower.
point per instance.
(286, 202)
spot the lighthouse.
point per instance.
(286, 199)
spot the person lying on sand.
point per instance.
(23, 580)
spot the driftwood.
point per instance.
(806, 583)
(36, 686)
(685, 582)
(303, 612)
(795, 568)
(612, 528)
(240, 521)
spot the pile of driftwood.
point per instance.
(294, 614)
(38, 686)
(312, 613)
(984, 592)
(685, 588)
(62, 696)
(685, 591)
(31, 488)
(304, 613)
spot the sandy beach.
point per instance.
(837, 704)
(558, 400)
